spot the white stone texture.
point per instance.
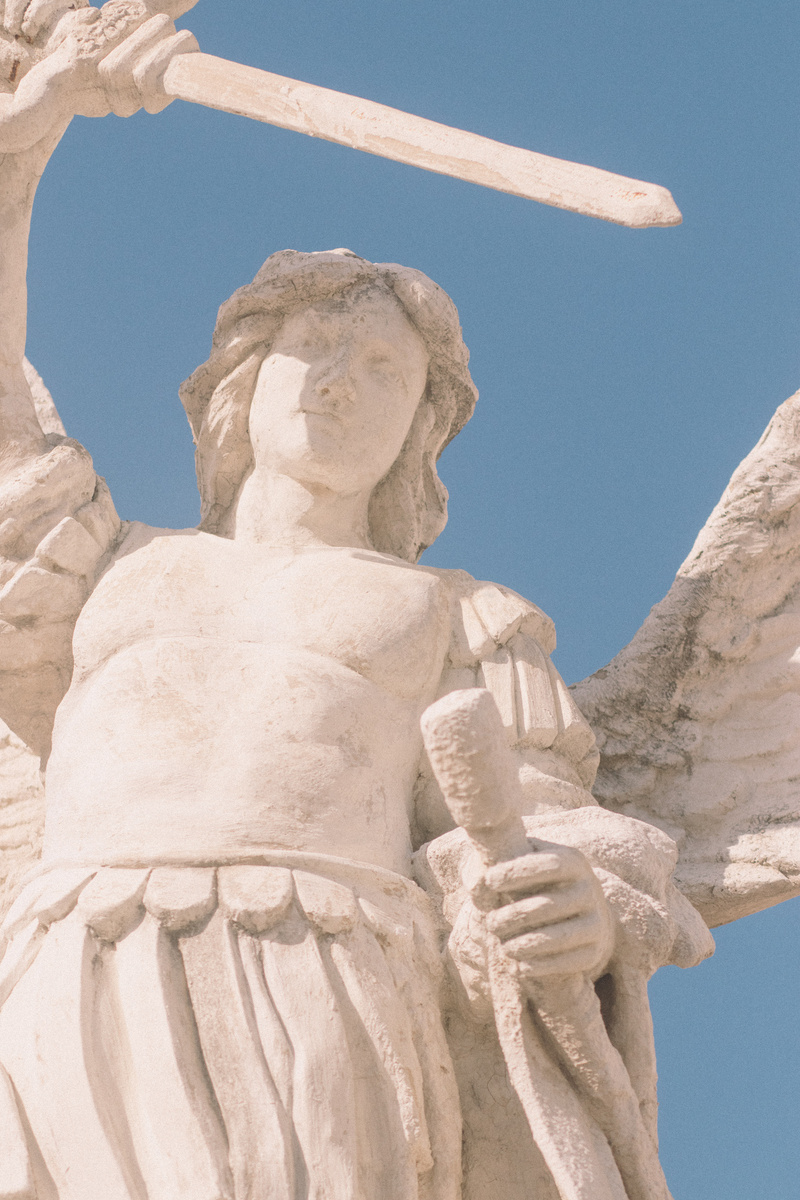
(140, 60)
(237, 783)
(255, 957)
(21, 813)
(377, 129)
(698, 719)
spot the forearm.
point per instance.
(38, 112)
(32, 121)
(20, 434)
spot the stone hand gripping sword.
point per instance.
(388, 132)
(585, 1119)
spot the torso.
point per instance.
(228, 700)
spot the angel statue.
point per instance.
(254, 956)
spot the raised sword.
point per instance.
(377, 129)
(391, 133)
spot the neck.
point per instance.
(277, 511)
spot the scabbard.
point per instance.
(571, 1143)
(390, 133)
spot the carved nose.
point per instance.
(336, 383)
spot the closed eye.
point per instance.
(381, 364)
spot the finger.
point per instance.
(41, 13)
(116, 69)
(536, 871)
(583, 961)
(556, 939)
(537, 912)
(149, 73)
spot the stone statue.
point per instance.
(273, 949)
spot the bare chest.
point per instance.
(375, 616)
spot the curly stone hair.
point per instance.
(408, 508)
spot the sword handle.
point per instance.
(465, 742)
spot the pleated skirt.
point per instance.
(257, 1031)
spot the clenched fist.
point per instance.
(547, 911)
(28, 19)
(60, 59)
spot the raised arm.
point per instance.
(58, 59)
(20, 434)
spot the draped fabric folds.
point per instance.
(249, 1032)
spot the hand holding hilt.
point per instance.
(464, 739)
(60, 59)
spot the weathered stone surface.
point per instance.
(21, 813)
(237, 782)
(351, 121)
(254, 957)
(698, 719)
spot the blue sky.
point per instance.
(623, 374)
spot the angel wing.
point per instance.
(21, 791)
(21, 813)
(698, 718)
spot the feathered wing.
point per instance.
(21, 813)
(21, 791)
(56, 524)
(698, 718)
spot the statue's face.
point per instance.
(335, 399)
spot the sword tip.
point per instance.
(652, 209)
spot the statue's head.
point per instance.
(348, 373)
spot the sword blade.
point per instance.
(390, 133)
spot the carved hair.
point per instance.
(408, 508)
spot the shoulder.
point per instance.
(148, 547)
(423, 588)
(503, 642)
(485, 616)
(135, 535)
(147, 558)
